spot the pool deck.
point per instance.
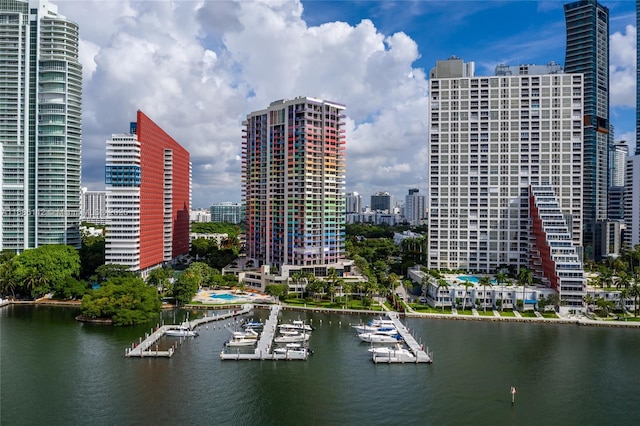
(226, 297)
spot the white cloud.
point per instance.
(197, 69)
(622, 68)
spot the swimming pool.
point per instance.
(472, 279)
(224, 296)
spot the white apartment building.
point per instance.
(632, 201)
(93, 206)
(490, 139)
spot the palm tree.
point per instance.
(634, 291)
(501, 278)
(624, 294)
(484, 282)
(442, 283)
(525, 276)
(467, 284)
(589, 300)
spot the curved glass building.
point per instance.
(41, 131)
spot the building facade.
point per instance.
(618, 154)
(293, 177)
(148, 180)
(381, 202)
(227, 212)
(414, 207)
(490, 139)
(40, 139)
(93, 207)
(587, 24)
(632, 202)
(353, 202)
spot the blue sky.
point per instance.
(198, 68)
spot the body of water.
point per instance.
(55, 370)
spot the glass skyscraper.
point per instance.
(40, 135)
(588, 53)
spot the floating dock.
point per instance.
(264, 345)
(418, 354)
(145, 347)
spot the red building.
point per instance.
(148, 178)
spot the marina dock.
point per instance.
(265, 342)
(145, 348)
(419, 355)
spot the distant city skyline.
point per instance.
(197, 68)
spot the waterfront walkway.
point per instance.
(144, 348)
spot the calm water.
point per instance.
(57, 371)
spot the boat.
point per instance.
(390, 350)
(292, 338)
(296, 325)
(379, 338)
(373, 325)
(374, 329)
(293, 351)
(181, 331)
(240, 341)
(248, 334)
(254, 325)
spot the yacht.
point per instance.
(390, 350)
(292, 338)
(379, 338)
(293, 351)
(374, 325)
(240, 341)
(296, 325)
(248, 334)
(181, 331)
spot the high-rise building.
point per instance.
(414, 207)
(587, 24)
(40, 136)
(227, 212)
(148, 179)
(637, 151)
(490, 140)
(93, 207)
(618, 154)
(632, 202)
(293, 177)
(353, 202)
(381, 202)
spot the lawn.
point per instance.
(528, 314)
(326, 304)
(507, 314)
(489, 313)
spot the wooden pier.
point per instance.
(419, 355)
(145, 348)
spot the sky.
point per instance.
(197, 68)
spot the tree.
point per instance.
(484, 282)
(92, 254)
(466, 284)
(186, 286)
(634, 291)
(160, 278)
(124, 300)
(277, 290)
(111, 270)
(554, 299)
(525, 277)
(36, 270)
(70, 288)
(442, 283)
(624, 295)
(589, 300)
(501, 278)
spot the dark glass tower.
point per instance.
(588, 53)
(637, 79)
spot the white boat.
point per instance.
(249, 334)
(240, 341)
(292, 338)
(379, 338)
(254, 325)
(296, 325)
(293, 351)
(397, 349)
(373, 325)
(374, 329)
(182, 331)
